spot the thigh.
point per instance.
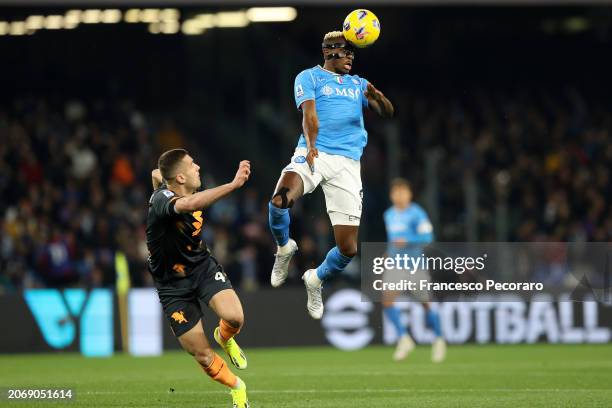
(392, 276)
(344, 194)
(194, 339)
(289, 189)
(227, 306)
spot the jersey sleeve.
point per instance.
(162, 203)
(304, 89)
(364, 88)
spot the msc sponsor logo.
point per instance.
(353, 93)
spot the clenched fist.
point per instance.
(243, 173)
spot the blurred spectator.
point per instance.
(74, 186)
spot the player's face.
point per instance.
(343, 64)
(191, 173)
(401, 196)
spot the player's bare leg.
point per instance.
(289, 189)
(438, 347)
(405, 344)
(227, 306)
(336, 260)
(195, 343)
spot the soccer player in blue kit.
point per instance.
(408, 231)
(327, 154)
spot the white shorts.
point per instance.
(340, 178)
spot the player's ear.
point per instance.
(180, 178)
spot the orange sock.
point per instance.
(227, 331)
(220, 372)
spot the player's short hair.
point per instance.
(333, 37)
(169, 161)
(400, 182)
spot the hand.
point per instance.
(243, 173)
(313, 152)
(372, 92)
(157, 178)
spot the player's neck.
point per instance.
(402, 207)
(179, 190)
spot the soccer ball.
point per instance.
(361, 28)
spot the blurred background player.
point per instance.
(408, 231)
(332, 103)
(186, 273)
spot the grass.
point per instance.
(473, 376)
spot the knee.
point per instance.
(277, 201)
(236, 320)
(348, 249)
(283, 198)
(204, 356)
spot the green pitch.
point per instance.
(472, 376)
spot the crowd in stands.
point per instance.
(75, 183)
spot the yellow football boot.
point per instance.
(233, 351)
(239, 396)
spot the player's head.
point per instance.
(337, 52)
(400, 193)
(178, 169)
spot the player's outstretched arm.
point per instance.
(310, 124)
(378, 102)
(156, 179)
(206, 198)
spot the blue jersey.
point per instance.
(410, 225)
(339, 100)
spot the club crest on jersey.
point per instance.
(168, 193)
(299, 91)
(300, 159)
(327, 90)
(339, 80)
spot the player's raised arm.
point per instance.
(310, 125)
(378, 102)
(206, 198)
(156, 179)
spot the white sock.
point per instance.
(313, 278)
